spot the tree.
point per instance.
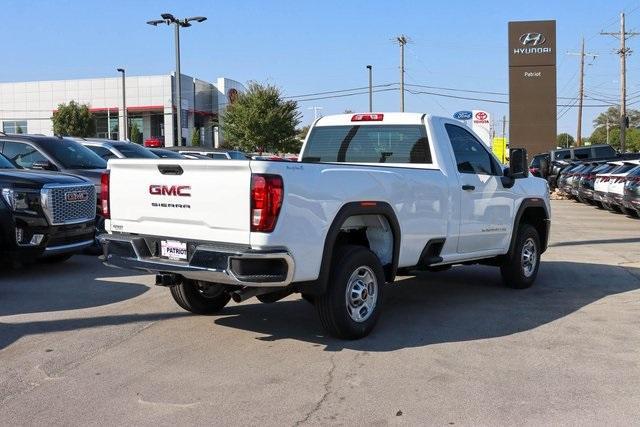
(260, 120)
(73, 119)
(195, 138)
(301, 133)
(135, 135)
(632, 139)
(613, 116)
(19, 129)
(565, 140)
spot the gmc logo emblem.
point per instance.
(170, 190)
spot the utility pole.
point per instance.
(315, 111)
(582, 54)
(369, 67)
(402, 41)
(624, 51)
(607, 131)
(125, 131)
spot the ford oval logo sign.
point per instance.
(463, 115)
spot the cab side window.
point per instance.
(471, 156)
(24, 155)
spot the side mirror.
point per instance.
(518, 167)
(44, 165)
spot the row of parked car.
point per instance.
(596, 175)
(613, 185)
(49, 188)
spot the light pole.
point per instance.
(369, 67)
(169, 19)
(125, 125)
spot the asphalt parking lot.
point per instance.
(84, 344)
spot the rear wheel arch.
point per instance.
(375, 241)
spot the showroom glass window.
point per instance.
(15, 126)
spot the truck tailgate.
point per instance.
(187, 199)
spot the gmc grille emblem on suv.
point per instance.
(170, 190)
(76, 196)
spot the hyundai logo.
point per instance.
(532, 39)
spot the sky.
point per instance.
(305, 47)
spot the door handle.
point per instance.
(469, 187)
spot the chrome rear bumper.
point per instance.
(211, 262)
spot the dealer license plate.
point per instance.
(173, 249)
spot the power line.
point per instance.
(344, 95)
(337, 91)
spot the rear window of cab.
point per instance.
(368, 144)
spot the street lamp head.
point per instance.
(369, 67)
(184, 23)
(155, 22)
(197, 18)
(120, 70)
(168, 17)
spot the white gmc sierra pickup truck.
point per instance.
(372, 195)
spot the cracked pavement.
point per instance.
(84, 344)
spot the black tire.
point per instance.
(55, 259)
(366, 286)
(516, 273)
(308, 298)
(200, 297)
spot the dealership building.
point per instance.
(27, 107)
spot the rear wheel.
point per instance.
(351, 305)
(308, 298)
(519, 271)
(200, 297)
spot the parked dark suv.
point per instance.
(49, 153)
(44, 215)
(53, 154)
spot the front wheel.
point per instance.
(519, 271)
(200, 297)
(350, 307)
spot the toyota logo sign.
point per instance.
(481, 115)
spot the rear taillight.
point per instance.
(267, 192)
(104, 195)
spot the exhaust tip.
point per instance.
(236, 296)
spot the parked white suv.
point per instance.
(372, 195)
